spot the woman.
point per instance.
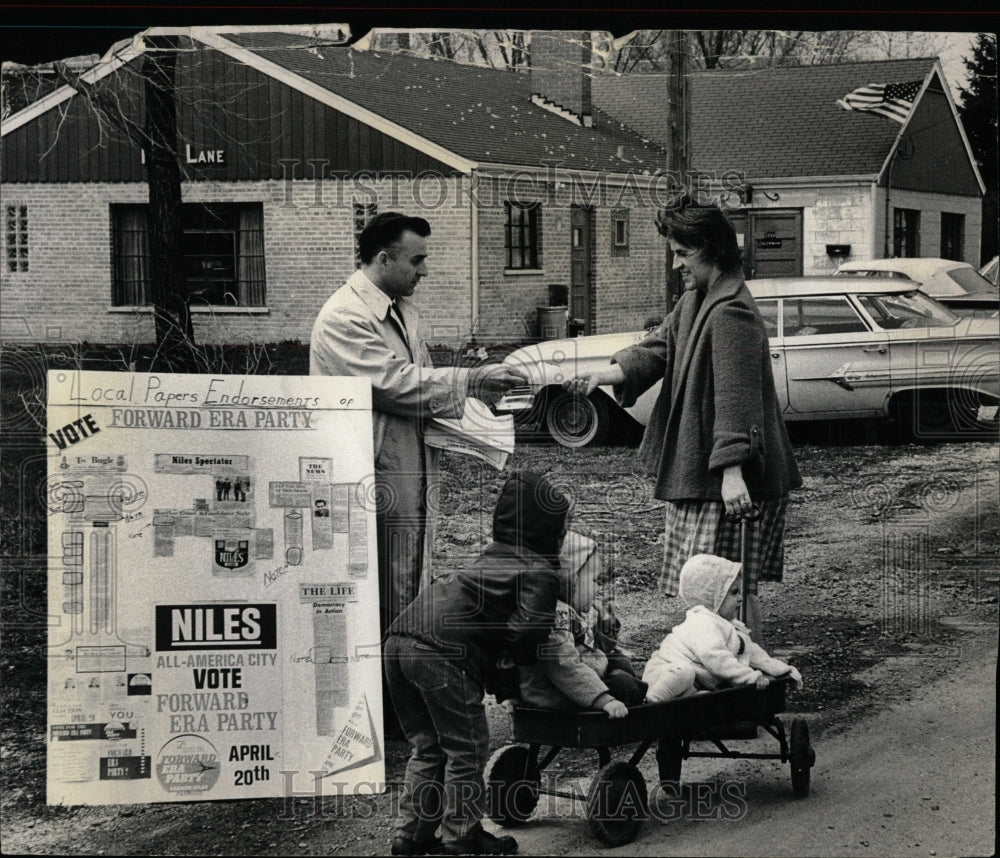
(716, 441)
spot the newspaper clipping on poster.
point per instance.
(213, 588)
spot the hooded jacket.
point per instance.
(504, 603)
(569, 669)
(720, 650)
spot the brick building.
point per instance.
(540, 186)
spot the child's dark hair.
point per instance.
(701, 226)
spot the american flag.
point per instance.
(893, 100)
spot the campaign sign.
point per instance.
(213, 588)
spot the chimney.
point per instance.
(561, 69)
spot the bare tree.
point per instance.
(171, 307)
(649, 50)
(156, 135)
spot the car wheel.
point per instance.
(939, 415)
(576, 421)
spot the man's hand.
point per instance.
(762, 682)
(491, 381)
(508, 705)
(615, 709)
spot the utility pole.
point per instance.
(678, 148)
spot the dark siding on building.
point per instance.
(932, 156)
(225, 105)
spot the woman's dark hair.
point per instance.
(701, 226)
(385, 229)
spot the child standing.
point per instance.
(711, 649)
(442, 652)
(579, 665)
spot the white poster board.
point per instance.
(213, 588)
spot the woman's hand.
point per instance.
(583, 385)
(735, 494)
(587, 383)
(762, 682)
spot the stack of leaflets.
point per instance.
(479, 433)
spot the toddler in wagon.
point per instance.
(580, 666)
(711, 649)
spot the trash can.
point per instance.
(558, 295)
(552, 323)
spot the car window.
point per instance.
(769, 313)
(870, 272)
(820, 315)
(907, 310)
(971, 280)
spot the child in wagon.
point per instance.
(711, 648)
(580, 665)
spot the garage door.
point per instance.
(771, 242)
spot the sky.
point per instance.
(30, 44)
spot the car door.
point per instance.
(836, 365)
(769, 310)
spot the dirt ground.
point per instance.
(888, 608)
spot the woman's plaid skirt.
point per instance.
(701, 527)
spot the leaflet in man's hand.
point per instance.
(479, 433)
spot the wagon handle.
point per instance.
(752, 515)
(744, 519)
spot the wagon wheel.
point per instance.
(801, 756)
(669, 759)
(617, 804)
(511, 785)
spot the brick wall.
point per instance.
(309, 245)
(631, 289)
(851, 214)
(628, 289)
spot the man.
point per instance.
(370, 327)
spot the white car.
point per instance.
(991, 270)
(957, 285)
(841, 347)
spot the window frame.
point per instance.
(244, 285)
(905, 233)
(952, 236)
(523, 222)
(16, 237)
(620, 238)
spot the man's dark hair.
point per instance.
(385, 229)
(701, 226)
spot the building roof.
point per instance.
(773, 122)
(784, 122)
(767, 123)
(484, 115)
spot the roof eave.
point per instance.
(104, 67)
(209, 36)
